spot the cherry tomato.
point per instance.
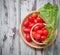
(34, 34)
(45, 32)
(26, 30)
(43, 28)
(41, 25)
(38, 40)
(30, 25)
(26, 23)
(35, 21)
(40, 32)
(36, 28)
(39, 19)
(37, 36)
(28, 38)
(42, 38)
(30, 18)
(34, 15)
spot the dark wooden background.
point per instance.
(11, 13)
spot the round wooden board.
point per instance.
(32, 44)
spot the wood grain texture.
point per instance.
(11, 14)
(57, 42)
(9, 37)
(26, 6)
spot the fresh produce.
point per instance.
(35, 15)
(28, 38)
(34, 34)
(40, 20)
(36, 28)
(35, 21)
(30, 18)
(30, 25)
(46, 16)
(43, 38)
(49, 14)
(26, 30)
(45, 32)
(37, 36)
(30, 21)
(41, 25)
(26, 23)
(40, 32)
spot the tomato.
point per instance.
(34, 15)
(28, 38)
(26, 30)
(40, 32)
(41, 25)
(38, 40)
(33, 34)
(26, 23)
(37, 36)
(45, 32)
(43, 28)
(36, 28)
(30, 18)
(42, 38)
(40, 20)
(35, 21)
(30, 25)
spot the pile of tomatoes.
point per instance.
(40, 32)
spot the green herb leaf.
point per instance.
(49, 14)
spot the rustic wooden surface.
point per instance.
(11, 13)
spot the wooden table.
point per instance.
(11, 13)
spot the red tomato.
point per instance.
(41, 25)
(36, 28)
(45, 32)
(28, 38)
(35, 21)
(33, 34)
(43, 28)
(38, 40)
(34, 15)
(30, 18)
(30, 25)
(42, 38)
(37, 36)
(26, 30)
(40, 20)
(26, 23)
(40, 32)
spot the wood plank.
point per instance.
(1, 16)
(3, 26)
(0, 51)
(57, 42)
(26, 6)
(9, 18)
